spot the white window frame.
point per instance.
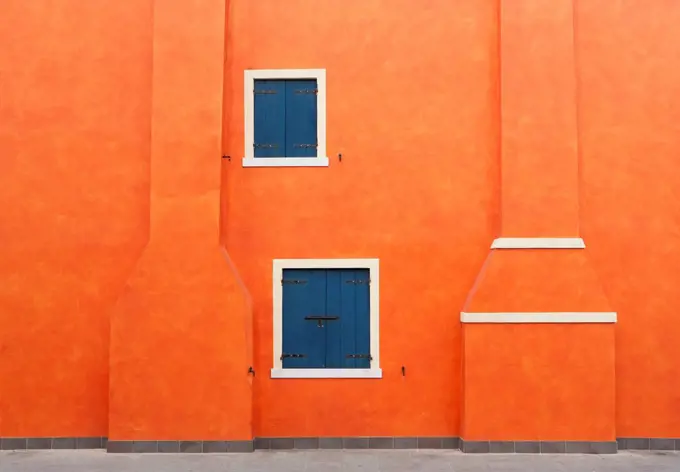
(249, 115)
(373, 266)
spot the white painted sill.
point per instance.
(285, 162)
(326, 373)
(538, 243)
(540, 317)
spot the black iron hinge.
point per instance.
(359, 356)
(293, 356)
(306, 146)
(265, 146)
(265, 92)
(307, 91)
(293, 281)
(357, 281)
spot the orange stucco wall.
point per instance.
(74, 183)
(539, 382)
(629, 109)
(180, 345)
(121, 316)
(417, 127)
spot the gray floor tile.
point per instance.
(355, 443)
(168, 446)
(501, 447)
(144, 446)
(240, 446)
(89, 443)
(662, 444)
(381, 443)
(306, 443)
(637, 444)
(63, 443)
(39, 443)
(405, 443)
(330, 443)
(282, 443)
(553, 447)
(190, 446)
(527, 447)
(429, 443)
(12, 444)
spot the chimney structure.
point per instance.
(536, 323)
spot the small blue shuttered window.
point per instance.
(285, 118)
(326, 319)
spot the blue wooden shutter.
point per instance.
(334, 330)
(270, 118)
(301, 118)
(304, 295)
(362, 326)
(348, 292)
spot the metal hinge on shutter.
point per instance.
(306, 146)
(358, 281)
(293, 281)
(359, 356)
(307, 91)
(265, 92)
(265, 146)
(292, 356)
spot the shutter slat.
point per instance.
(363, 319)
(348, 339)
(270, 116)
(301, 118)
(334, 330)
(302, 337)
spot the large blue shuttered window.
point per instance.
(326, 319)
(285, 118)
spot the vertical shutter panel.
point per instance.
(351, 334)
(270, 118)
(334, 329)
(301, 118)
(349, 319)
(301, 336)
(362, 327)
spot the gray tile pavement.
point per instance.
(336, 461)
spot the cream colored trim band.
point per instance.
(538, 243)
(540, 317)
(278, 373)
